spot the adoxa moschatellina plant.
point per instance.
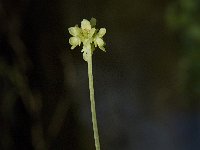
(90, 38)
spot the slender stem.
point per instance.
(93, 110)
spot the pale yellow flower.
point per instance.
(88, 35)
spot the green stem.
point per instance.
(93, 110)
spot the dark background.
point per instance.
(147, 84)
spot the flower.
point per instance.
(88, 35)
(98, 39)
(75, 40)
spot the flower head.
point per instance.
(88, 35)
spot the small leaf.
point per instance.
(93, 22)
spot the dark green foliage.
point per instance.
(184, 17)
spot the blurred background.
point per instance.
(147, 84)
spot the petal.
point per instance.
(91, 33)
(85, 56)
(102, 48)
(100, 42)
(85, 25)
(75, 31)
(74, 41)
(102, 32)
(73, 47)
(86, 51)
(93, 22)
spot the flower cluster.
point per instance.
(88, 35)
